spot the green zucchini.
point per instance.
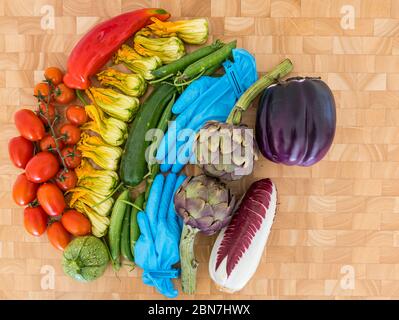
(133, 166)
(125, 234)
(134, 227)
(115, 228)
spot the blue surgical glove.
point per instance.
(157, 248)
(205, 99)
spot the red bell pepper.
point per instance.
(97, 46)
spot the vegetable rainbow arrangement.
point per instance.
(102, 156)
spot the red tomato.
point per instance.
(76, 115)
(54, 75)
(51, 199)
(46, 112)
(29, 125)
(72, 157)
(71, 133)
(35, 220)
(42, 167)
(48, 143)
(63, 94)
(20, 151)
(41, 91)
(66, 180)
(24, 191)
(76, 223)
(58, 236)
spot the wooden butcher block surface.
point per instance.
(336, 233)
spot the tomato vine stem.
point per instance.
(50, 123)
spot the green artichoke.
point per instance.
(225, 151)
(205, 203)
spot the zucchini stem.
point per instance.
(189, 265)
(280, 71)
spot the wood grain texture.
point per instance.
(335, 219)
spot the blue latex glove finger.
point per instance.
(167, 195)
(168, 236)
(163, 239)
(164, 145)
(245, 66)
(167, 145)
(146, 257)
(144, 249)
(192, 92)
(152, 206)
(165, 245)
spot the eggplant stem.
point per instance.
(189, 265)
(280, 71)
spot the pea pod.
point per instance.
(134, 227)
(214, 59)
(115, 228)
(182, 63)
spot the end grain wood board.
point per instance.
(336, 220)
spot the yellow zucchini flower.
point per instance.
(102, 182)
(115, 104)
(137, 63)
(102, 154)
(167, 49)
(100, 204)
(113, 131)
(193, 31)
(99, 224)
(132, 84)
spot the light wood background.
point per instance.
(336, 219)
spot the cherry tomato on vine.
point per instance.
(76, 115)
(20, 151)
(58, 236)
(23, 190)
(46, 112)
(42, 167)
(76, 223)
(72, 157)
(63, 94)
(35, 220)
(66, 180)
(71, 133)
(48, 143)
(51, 199)
(54, 75)
(29, 125)
(42, 90)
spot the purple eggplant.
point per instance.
(295, 123)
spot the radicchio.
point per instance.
(242, 241)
